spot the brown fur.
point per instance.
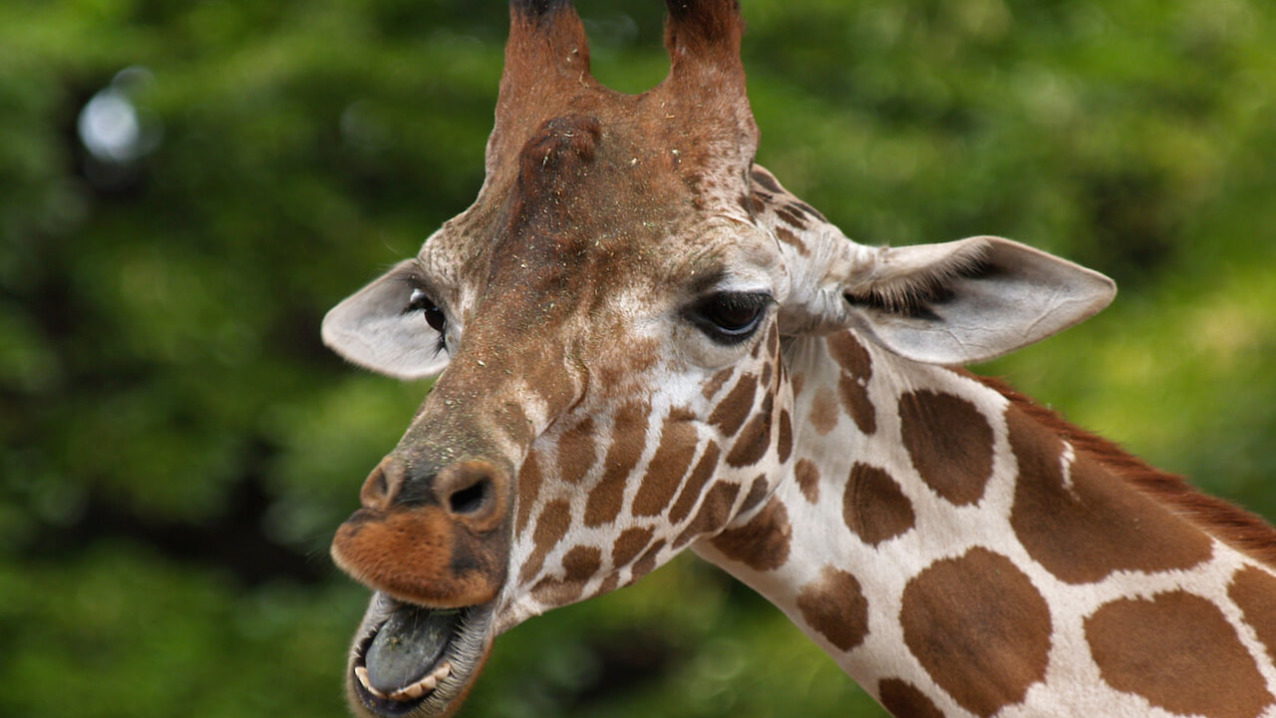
(874, 507)
(630, 543)
(1234, 526)
(412, 555)
(903, 699)
(987, 656)
(754, 440)
(834, 605)
(1252, 590)
(808, 479)
(715, 511)
(694, 485)
(1177, 650)
(762, 543)
(678, 443)
(949, 442)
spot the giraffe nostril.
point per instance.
(381, 486)
(471, 498)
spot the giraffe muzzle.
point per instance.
(437, 539)
(434, 545)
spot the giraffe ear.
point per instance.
(967, 301)
(379, 328)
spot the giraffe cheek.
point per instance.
(420, 556)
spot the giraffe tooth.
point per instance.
(416, 690)
(361, 672)
(443, 671)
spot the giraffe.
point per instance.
(644, 344)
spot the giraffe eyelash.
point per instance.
(419, 301)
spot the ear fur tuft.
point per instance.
(907, 288)
(961, 302)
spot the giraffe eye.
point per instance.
(729, 317)
(421, 302)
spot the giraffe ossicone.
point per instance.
(644, 344)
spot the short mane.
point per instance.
(1234, 526)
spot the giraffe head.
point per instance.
(607, 322)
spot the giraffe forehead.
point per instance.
(605, 198)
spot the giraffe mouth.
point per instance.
(413, 660)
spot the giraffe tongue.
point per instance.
(408, 645)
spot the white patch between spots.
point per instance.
(1066, 458)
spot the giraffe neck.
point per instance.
(958, 554)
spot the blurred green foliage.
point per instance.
(178, 446)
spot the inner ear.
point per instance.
(970, 301)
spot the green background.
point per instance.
(178, 446)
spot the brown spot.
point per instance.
(784, 447)
(765, 381)
(605, 501)
(852, 387)
(902, 698)
(554, 591)
(1253, 590)
(979, 628)
(834, 605)
(793, 218)
(695, 483)
(753, 443)
(763, 543)
(630, 543)
(714, 513)
(580, 565)
(765, 179)
(551, 527)
(788, 237)
(823, 416)
(530, 479)
(715, 383)
(576, 451)
(643, 566)
(773, 341)
(847, 351)
(758, 490)
(950, 443)
(678, 444)
(1178, 651)
(735, 407)
(799, 381)
(809, 209)
(855, 399)
(1071, 532)
(608, 585)
(1240, 529)
(628, 439)
(874, 507)
(808, 478)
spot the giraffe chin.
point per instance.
(410, 660)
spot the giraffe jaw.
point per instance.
(410, 660)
